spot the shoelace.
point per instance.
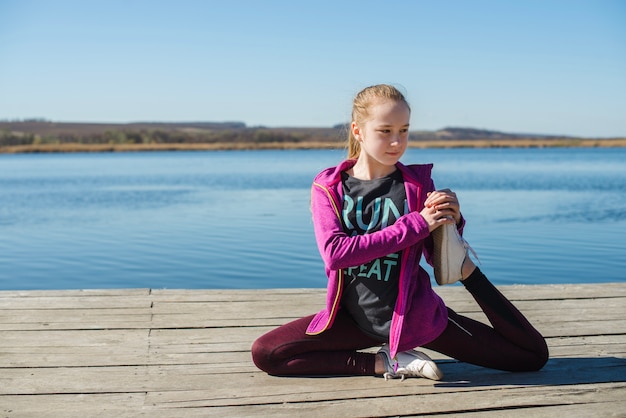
(469, 247)
(394, 374)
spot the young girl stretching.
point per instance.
(373, 218)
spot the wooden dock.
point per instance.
(185, 353)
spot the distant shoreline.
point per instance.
(40, 136)
(303, 145)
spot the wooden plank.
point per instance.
(390, 402)
(550, 314)
(129, 405)
(555, 306)
(74, 338)
(457, 377)
(202, 336)
(609, 408)
(608, 340)
(232, 295)
(548, 329)
(72, 348)
(559, 291)
(62, 314)
(514, 292)
(269, 308)
(72, 380)
(247, 387)
(198, 346)
(563, 291)
(73, 293)
(67, 326)
(76, 302)
(454, 405)
(314, 297)
(64, 319)
(72, 405)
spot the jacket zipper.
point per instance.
(339, 272)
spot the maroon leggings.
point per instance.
(512, 344)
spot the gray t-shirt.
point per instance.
(371, 289)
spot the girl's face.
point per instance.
(383, 137)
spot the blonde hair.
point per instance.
(360, 110)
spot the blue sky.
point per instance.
(551, 67)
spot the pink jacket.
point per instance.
(420, 315)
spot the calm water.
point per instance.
(241, 219)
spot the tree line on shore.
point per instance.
(41, 135)
(160, 134)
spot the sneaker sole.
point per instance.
(448, 254)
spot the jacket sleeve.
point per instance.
(339, 250)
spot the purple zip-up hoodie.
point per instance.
(420, 315)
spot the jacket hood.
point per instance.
(331, 176)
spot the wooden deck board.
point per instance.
(185, 353)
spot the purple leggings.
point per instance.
(513, 344)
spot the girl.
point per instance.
(373, 218)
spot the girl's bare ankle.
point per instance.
(379, 368)
(468, 268)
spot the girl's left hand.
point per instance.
(445, 202)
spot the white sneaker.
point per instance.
(410, 363)
(449, 253)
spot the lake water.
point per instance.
(240, 219)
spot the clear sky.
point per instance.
(527, 66)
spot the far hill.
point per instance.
(472, 133)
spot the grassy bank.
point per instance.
(225, 146)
